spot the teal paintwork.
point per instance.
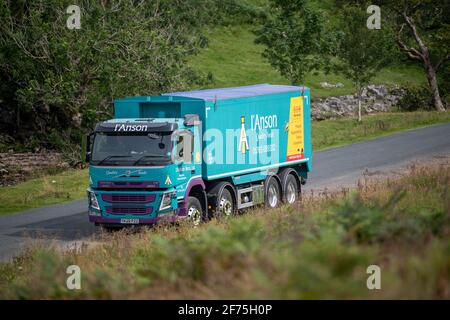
(172, 177)
(250, 177)
(217, 116)
(226, 114)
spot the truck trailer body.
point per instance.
(199, 154)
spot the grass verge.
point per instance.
(71, 185)
(333, 133)
(46, 190)
(318, 249)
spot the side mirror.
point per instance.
(183, 146)
(88, 147)
(191, 119)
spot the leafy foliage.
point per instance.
(421, 29)
(415, 98)
(379, 221)
(361, 52)
(55, 82)
(296, 39)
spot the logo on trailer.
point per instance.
(243, 143)
(258, 122)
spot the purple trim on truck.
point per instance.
(128, 184)
(129, 210)
(128, 198)
(181, 211)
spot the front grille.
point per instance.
(128, 198)
(129, 210)
(128, 184)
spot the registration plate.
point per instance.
(129, 221)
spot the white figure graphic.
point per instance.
(243, 144)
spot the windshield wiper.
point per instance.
(109, 157)
(149, 156)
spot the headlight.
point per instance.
(166, 201)
(93, 203)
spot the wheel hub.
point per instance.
(273, 197)
(226, 207)
(290, 193)
(195, 215)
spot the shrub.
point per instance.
(416, 98)
(378, 221)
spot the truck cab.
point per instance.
(162, 157)
(139, 169)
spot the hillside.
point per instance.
(234, 59)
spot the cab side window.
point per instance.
(184, 147)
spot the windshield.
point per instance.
(131, 149)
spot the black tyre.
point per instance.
(272, 193)
(194, 210)
(225, 205)
(290, 194)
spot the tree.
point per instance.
(56, 81)
(294, 36)
(422, 32)
(361, 52)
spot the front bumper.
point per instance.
(142, 221)
(132, 207)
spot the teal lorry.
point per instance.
(198, 154)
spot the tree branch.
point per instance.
(411, 52)
(413, 28)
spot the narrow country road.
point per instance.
(337, 167)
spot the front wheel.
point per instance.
(194, 210)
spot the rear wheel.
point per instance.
(291, 189)
(272, 193)
(194, 210)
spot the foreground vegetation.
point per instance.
(70, 185)
(319, 248)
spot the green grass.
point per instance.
(235, 60)
(317, 249)
(72, 184)
(46, 190)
